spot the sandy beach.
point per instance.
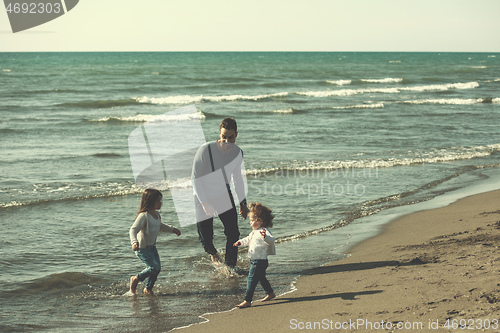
(430, 271)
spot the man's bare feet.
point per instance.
(215, 258)
(133, 284)
(148, 292)
(244, 304)
(268, 297)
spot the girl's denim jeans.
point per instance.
(149, 256)
(257, 274)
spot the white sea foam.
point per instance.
(181, 99)
(432, 156)
(154, 118)
(350, 92)
(72, 191)
(188, 99)
(328, 93)
(347, 92)
(283, 111)
(386, 80)
(442, 87)
(340, 82)
(243, 97)
(180, 183)
(333, 168)
(454, 101)
(451, 101)
(166, 118)
(361, 106)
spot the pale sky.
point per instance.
(265, 25)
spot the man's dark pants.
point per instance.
(230, 221)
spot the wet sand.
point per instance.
(430, 271)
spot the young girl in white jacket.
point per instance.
(260, 244)
(143, 234)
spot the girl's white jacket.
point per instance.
(145, 230)
(259, 248)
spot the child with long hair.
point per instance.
(143, 234)
(260, 244)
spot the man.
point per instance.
(215, 164)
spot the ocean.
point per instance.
(333, 142)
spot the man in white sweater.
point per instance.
(215, 165)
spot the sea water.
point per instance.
(329, 139)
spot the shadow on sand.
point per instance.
(345, 268)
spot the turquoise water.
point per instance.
(328, 138)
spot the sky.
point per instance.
(265, 25)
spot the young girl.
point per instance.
(260, 244)
(143, 234)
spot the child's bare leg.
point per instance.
(133, 284)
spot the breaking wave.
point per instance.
(46, 193)
(454, 101)
(188, 99)
(386, 80)
(140, 118)
(350, 92)
(434, 156)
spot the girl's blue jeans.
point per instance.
(149, 256)
(257, 274)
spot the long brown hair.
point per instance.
(149, 198)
